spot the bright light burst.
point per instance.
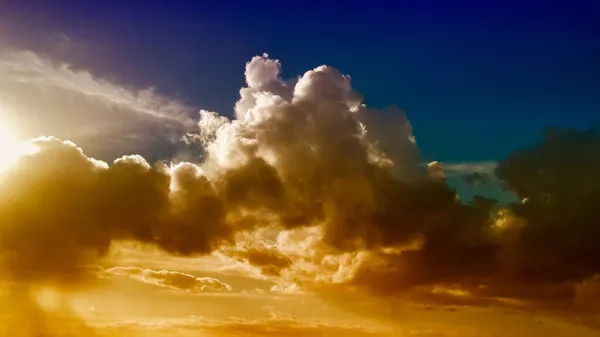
(10, 148)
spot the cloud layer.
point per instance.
(279, 324)
(310, 186)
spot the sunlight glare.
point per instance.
(10, 149)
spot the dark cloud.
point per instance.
(535, 250)
(61, 210)
(304, 157)
(558, 180)
(269, 259)
(587, 294)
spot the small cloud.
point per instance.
(450, 291)
(171, 279)
(457, 169)
(265, 257)
(287, 288)
(477, 178)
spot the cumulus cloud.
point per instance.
(503, 265)
(91, 204)
(171, 279)
(324, 166)
(540, 247)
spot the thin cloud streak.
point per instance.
(170, 279)
(28, 68)
(453, 169)
(41, 97)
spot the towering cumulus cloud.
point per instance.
(306, 156)
(296, 155)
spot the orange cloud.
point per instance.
(171, 279)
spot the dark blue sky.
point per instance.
(477, 80)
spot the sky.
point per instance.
(495, 72)
(313, 169)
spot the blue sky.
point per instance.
(476, 80)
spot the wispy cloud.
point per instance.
(28, 68)
(454, 169)
(171, 279)
(42, 97)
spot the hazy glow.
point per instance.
(9, 151)
(48, 298)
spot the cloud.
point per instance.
(587, 299)
(559, 181)
(279, 324)
(476, 174)
(295, 156)
(42, 97)
(540, 247)
(324, 165)
(171, 279)
(312, 188)
(28, 68)
(268, 259)
(471, 322)
(470, 167)
(92, 204)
